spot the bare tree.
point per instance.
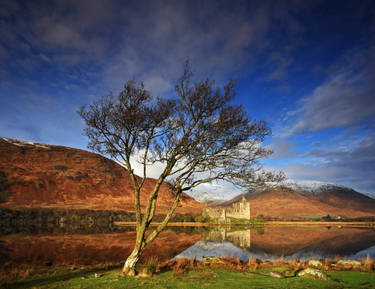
(199, 137)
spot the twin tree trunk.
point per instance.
(132, 260)
(143, 224)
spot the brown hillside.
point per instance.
(287, 241)
(286, 203)
(46, 176)
(346, 198)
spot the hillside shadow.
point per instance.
(46, 280)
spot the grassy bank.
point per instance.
(196, 278)
(214, 273)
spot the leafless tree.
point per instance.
(199, 136)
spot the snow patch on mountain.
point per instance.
(217, 197)
(311, 187)
(21, 143)
(214, 193)
(211, 198)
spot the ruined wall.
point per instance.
(219, 214)
(239, 210)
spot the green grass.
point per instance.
(314, 217)
(198, 278)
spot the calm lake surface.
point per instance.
(267, 243)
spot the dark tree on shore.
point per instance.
(198, 136)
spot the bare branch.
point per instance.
(199, 137)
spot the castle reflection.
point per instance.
(240, 238)
(270, 243)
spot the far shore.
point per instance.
(265, 223)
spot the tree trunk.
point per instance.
(142, 242)
(131, 262)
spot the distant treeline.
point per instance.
(326, 218)
(48, 221)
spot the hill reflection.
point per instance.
(269, 243)
(292, 243)
(79, 249)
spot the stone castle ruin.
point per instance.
(239, 210)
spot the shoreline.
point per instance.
(213, 272)
(266, 223)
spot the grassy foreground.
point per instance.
(207, 277)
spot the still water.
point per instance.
(268, 243)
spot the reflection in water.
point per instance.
(240, 239)
(292, 243)
(269, 244)
(79, 249)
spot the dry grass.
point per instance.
(179, 265)
(369, 262)
(150, 266)
(182, 265)
(327, 264)
(280, 262)
(293, 262)
(252, 262)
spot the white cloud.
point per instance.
(345, 99)
(216, 191)
(350, 167)
(282, 148)
(219, 38)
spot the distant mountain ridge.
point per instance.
(312, 187)
(35, 175)
(308, 200)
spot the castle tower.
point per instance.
(246, 207)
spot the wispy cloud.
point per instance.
(353, 167)
(345, 99)
(282, 148)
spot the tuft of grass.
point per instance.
(251, 262)
(369, 262)
(150, 266)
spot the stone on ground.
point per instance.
(349, 262)
(316, 273)
(315, 263)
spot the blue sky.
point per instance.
(306, 67)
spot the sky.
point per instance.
(305, 67)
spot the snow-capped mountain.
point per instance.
(302, 187)
(21, 143)
(211, 198)
(311, 187)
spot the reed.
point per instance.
(150, 266)
(369, 262)
(252, 262)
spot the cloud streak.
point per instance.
(353, 167)
(345, 99)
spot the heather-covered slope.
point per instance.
(45, 176)
(286, 203)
